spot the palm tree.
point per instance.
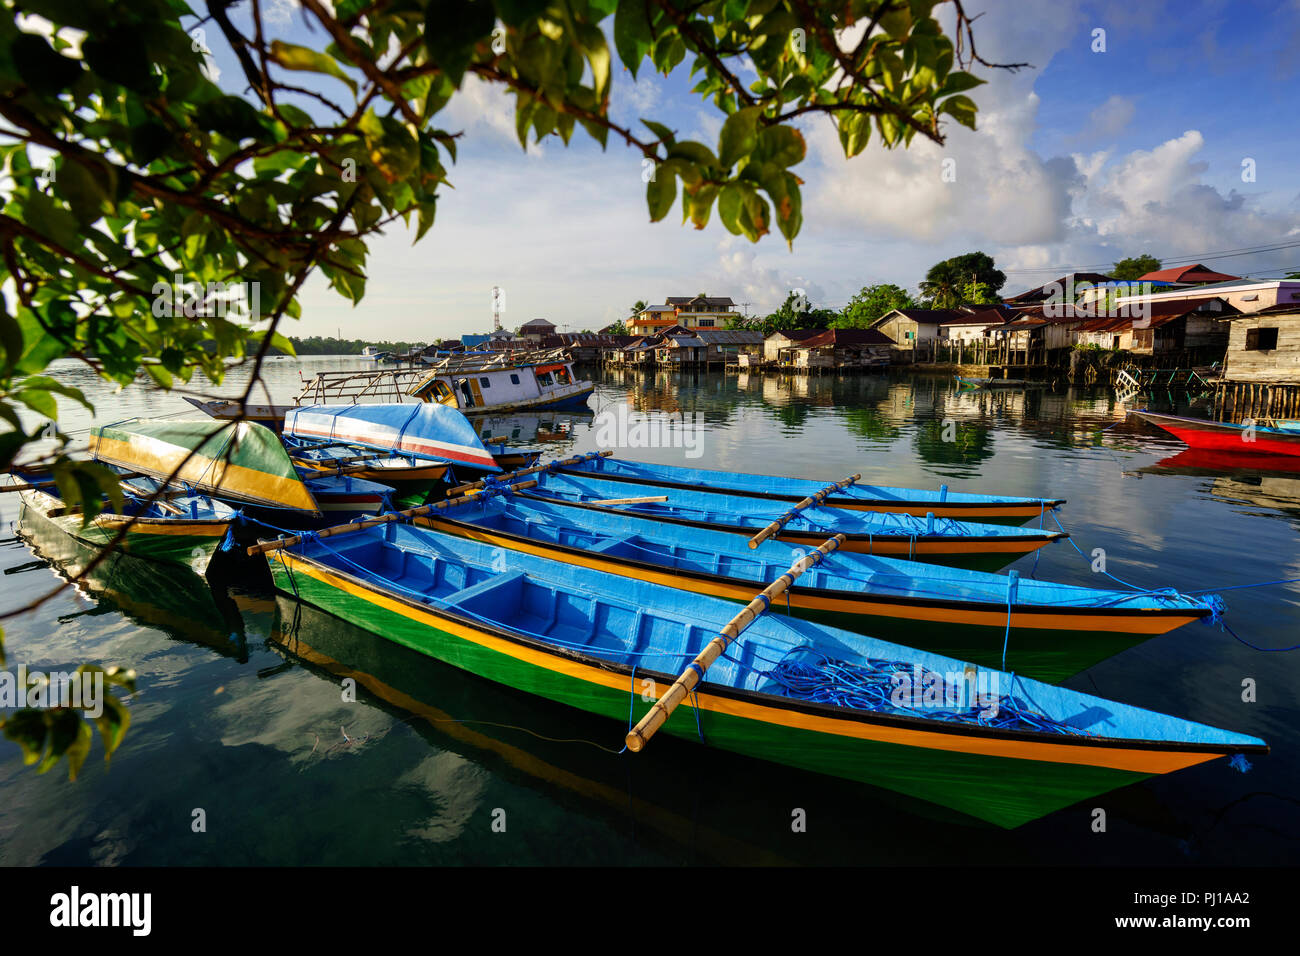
(639, 307)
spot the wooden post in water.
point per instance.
(658, 715)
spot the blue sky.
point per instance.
(1087, 157)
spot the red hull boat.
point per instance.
(1225, 437)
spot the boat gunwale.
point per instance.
(810, 708)
(830, 593)
(1029, 503)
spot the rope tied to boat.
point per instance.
(906, 688)
(228, 542)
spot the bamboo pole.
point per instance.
(279, 543)
(658, 715)
(575, 460)
(626, 501)
(816, 499)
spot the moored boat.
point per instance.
(990, 744)
(423, 431)
(238, 461)
(1225, 436)
(995, 509)
(183, 529)
(986, 547)
(1049, 631)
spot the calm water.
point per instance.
(239, 710)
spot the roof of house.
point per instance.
(1048, 289)
(1196, 273)
(730, 336)
(797, 335)
(657, 308)
(923, 316)
(537, 324)
(718, 300)
(842, 337)
(980, 315)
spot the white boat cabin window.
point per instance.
(514, 379)
(484, 383)
(543, 378)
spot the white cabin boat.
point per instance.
(486, 382)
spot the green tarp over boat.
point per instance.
(243, 461)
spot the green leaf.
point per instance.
(294, 57)
(783, 145)
(730, 200)
(45, 71)
(693, 152)
(661, 191)
(661, 131)
(121, 56)
(515, 13)
(739, 136)
(451, 30)
(855, 133)
(632, 36)
(960, 108)
(89, 192)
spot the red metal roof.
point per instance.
(1196, 273)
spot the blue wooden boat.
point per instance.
(1049, 631)
(996, 509)
(985, 547)
(994, 745)
(422, 430)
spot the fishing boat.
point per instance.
(240, 462)
(978, 382)
(993, 745)
(1049, 631)
(995, 509)
(1227, 437)
(183, 529)
(985, 547)
(430, 433)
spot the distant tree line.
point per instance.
(328, 345)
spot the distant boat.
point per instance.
(494, 383)
(1227, 437)
(969, 382)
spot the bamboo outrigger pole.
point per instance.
(576, 460)
(658, 715)
(816, 499)
(278, 543)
